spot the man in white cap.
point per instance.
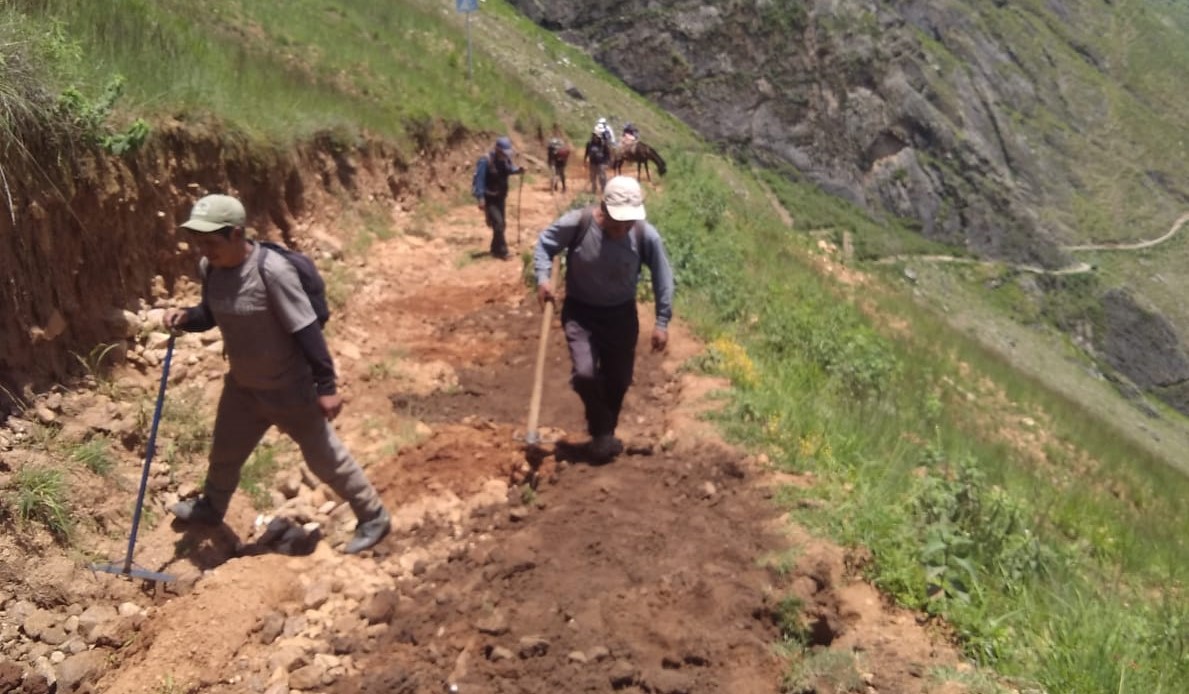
(605, 248)
(604, 129)
(279, 370)
(490, 188)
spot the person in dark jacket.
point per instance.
(597, 156)
(490, 188)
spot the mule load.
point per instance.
(557, 155)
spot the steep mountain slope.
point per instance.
(1006, 130)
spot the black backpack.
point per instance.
(599, 149)
(307, 272)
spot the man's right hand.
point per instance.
(482, 207)
(174, 318)
(544, 293)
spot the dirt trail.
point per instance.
(665, 571)
(1138, 245)
(1077, 268)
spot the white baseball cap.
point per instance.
(624, 199)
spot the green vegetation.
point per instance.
(816, 212)
(1049, 540)
(394, 69)
(39, 494)
(95, 366)
(836, 669)
(96, 455)
(184, 427)
(257, 475)
(786, 16)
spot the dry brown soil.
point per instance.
(659, 572)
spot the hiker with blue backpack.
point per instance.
(490, 188)
(269, 303)
(605, 248)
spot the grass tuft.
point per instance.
(95, 455)
(39, 495)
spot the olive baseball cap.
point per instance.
(624, 199)
(215, 212)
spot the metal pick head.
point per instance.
(532, 438)
(132, 571)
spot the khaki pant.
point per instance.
(244, 415)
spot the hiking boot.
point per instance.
(368, 533)
(605, 447)
(197, 510)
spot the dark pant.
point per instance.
(494, 210)
(602, 342)
(559, 174)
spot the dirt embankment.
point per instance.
(84, 235)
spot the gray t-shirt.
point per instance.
(603, 271)
(257, 326)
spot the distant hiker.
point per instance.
(631, 135)
(558, 153)
(596, 158)
(605, 247)
(490, 188)
(279, 370)
(605, 130)
(627, 144)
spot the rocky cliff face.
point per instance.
(960, 115)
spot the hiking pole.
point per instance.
(531, 436)
(519, 191)
(126, 568)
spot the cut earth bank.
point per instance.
(672, 569)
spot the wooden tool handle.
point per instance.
(534, 405)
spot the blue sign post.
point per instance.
(468, 6)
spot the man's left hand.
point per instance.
(331, 405)
(660, 339)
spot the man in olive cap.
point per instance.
(279, 370)
(490, 188)
(605, 248)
